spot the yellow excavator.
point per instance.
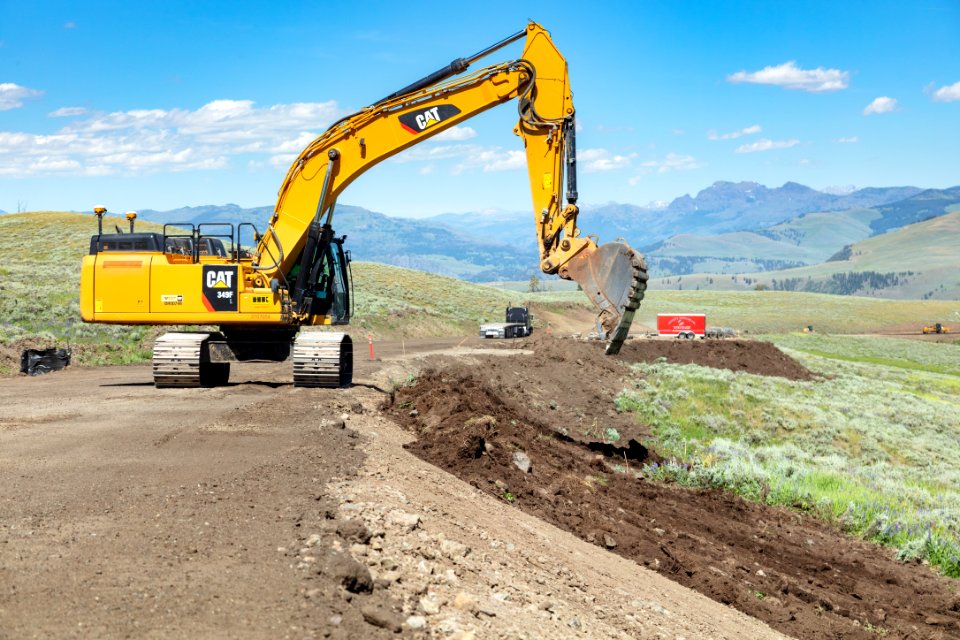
(297, 273)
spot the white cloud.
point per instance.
(466, 157)
(596, 160)
(456, 134)
(493, 159)
(65, 112)
(12, 95)
(153, 140)
(883, 104)
(766, 145)
(671, 162)
(789, 76)
(847, 140)
(733, 135)
(949, 93)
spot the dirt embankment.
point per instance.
(521, 431)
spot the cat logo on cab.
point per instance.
(219, 288)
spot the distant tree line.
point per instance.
(847, 283)
(794, 236)
(685, 265)
(843, 254)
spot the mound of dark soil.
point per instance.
(750, 356)
(483, 423)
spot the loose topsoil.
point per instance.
(483, 422)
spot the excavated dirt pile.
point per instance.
(751, 356)
(529, 430)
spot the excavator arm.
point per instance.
(612, 275)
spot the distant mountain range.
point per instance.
(804, 239)
(916, 261)
(728, 228)
(722, 207)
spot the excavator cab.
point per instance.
(321, 278)
(331, 293)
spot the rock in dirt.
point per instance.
(522, 461)
(430, 604)
(402, 520)
(353, 531)
(380, 616)
(609, 541)
(465, 602)
(416, 622)
(347, 572)
(454, 549)
(333, 423)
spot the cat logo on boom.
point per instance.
(219, 288)
(422, 119)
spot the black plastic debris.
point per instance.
(35, 362)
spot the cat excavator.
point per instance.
(297, 272)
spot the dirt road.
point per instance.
(259, 510)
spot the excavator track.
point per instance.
(182, 360)
(322, 359)
(176, 359)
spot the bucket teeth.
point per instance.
(640, 277)
(614, 277)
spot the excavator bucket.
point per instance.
(614, 277)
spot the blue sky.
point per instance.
(165, 104)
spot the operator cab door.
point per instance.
(332, 294)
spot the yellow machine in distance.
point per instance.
(298, 272)
(935, 328)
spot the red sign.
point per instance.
(672, 324)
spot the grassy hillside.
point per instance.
(918, 261)
(871, 445)
(40, 257)
(398, 302)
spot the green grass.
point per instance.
(872, 448)
(767, 312)
(916, 355)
